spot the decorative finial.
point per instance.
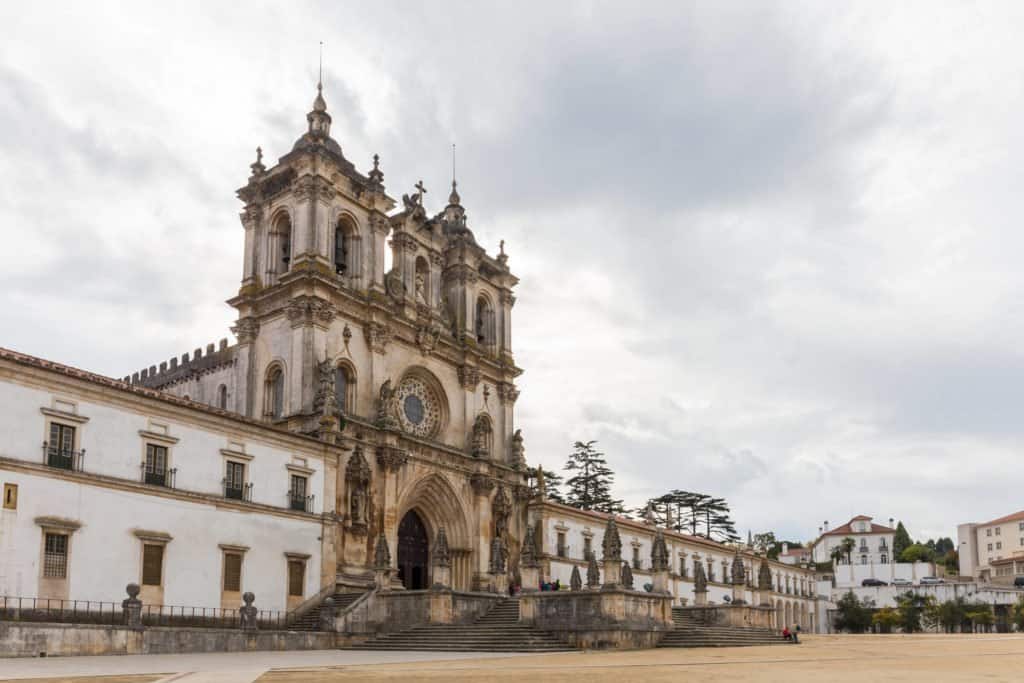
(320, 78)
(257, 167)
(422, 191)
(501, 248)
(376, 176)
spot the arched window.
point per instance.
(222, 397)
(283, 247)
(484, 322)
(344, 388)
(885, 559)
(341, 247)
(274, 393)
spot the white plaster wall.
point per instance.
(105, 555)
(851, 575)
(885, 596)
(114, 447)
(823, 548)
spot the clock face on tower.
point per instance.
(419, 407)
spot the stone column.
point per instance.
(499, 578)
(382, 564)
(611, 545)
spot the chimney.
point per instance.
(785, 548)
(826, 525)
(891, 525)
(819, 531)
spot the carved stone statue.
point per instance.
(497, 565)
(441, 556)
(659, 553)
(381, 553)
(481, 431)
(357, 480)
(247, 614)
(325, 399)
(394, 285)
(517, 455)
(739, 571)
(357, 504)
(627, 575)
(593, 574)
(764, 577)
(700, 580)
(387, 410)
(528, 554)
(421, 289)
(501, 508)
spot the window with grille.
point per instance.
(296, 574)
(152, 564)
(55, 557)
(298, 493)
(156, 464)
(636, 557)
(560, 544)
(232, 572)
(61, 446)
(234, 480)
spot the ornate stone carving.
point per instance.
(507, 392)
(528, 554)
(387, 406)
(325, 400)
(381, 553)
(481, 483)
(627, 575)
(357, 481)
(501, 509)
(517, 454)
(522, 492)
(575, 582)
(441, 556)
(391, 459)
(469, 377)
(764, 577)
(659, 553)
(611, 544)
(480, 441)
(497, 564)
(593, 573)
(427, 337)
(304, 310)
(246, 330)
(131, 607)
(700, 580)
(739, 571)
(377, 336)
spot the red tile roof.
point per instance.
(847, 529)
(1015, 517)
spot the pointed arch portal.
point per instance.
(413, 551)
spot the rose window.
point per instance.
(418, 407)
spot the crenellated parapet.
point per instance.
(216, 356)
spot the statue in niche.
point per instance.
(481, 434)
(446, 316)
(325, 399)
(358, 504)
(501, 509)
(421, 289)
(357, 480)
(387, 411)
(517, 452)
(394, 285)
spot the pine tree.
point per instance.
(590, 486)
(901, 541)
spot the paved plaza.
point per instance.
(819, 658)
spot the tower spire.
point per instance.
(453, 198)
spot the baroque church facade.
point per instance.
(407, 372)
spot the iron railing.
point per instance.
(45, 610)
(299, 502)
(63, 458)
(234, 491)
(165, 477)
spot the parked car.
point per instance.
(873, 582)
(931, 580)
(902, 582)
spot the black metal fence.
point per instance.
(63, 458)
(44, 610)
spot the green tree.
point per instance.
(590, 486)
(980, 616)
(944, 545)
(552, 482)
(764, 543)
(837, 554)
(901, 541)
(912, 609)
(917, 553)
(949, 615)
(853, 614)
(848, 544)
(1017, 613)
(885, 619)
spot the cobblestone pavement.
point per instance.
(819, 659)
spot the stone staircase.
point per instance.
(689, 633)
(497, 631)
(310, 621)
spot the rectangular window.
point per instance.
(1021, 526)
(586, 547)
(636, 557)
(10, 496)
(990, 546)
(156, 465)
(55, 557)
(296, 575)
(60, 448)
(988, 532)
(999, 545)
(152, 564)
(682, 567)
(233, 572)
(234, 481)
(999, 530)
(298, 493)
(560, 544)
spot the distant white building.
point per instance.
(873, 542)
(794, 556)
(994, 550)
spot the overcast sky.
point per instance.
(768, 251)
